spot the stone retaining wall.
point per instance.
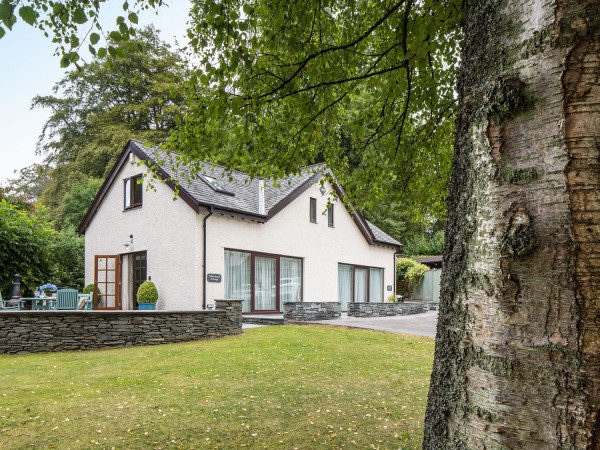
(385, 309)
(53, 331)
(309, 311)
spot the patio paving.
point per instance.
(418, 324)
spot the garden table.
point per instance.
(40, 303)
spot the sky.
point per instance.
(29, 68)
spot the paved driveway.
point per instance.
(419, 324)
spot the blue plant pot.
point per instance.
(147, 306)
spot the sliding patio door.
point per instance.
(107, 282)
(265, 283)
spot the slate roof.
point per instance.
(381, 236)
(245, 189)
(244, 203)
(431, 261)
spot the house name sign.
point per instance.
(213, 277)
(389, 287)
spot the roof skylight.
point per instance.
(216, 185)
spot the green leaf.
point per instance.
(28, 14)
(6, 10)
(94, 38)
(10, 22)
(102, 52)
(79, 16)
(64, 62)
(133, 18)
(115, 36)
(92, 50)
(2, 32)
(123, 29)
(120, 20)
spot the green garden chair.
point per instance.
(66, 299)
(85, 301)
(12, 307)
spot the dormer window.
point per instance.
(133, 190)
(216, 185)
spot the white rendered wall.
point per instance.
(291, 233)
(169, 231)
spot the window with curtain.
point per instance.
(360, 284)
(252, 273)
(313, 210)
(238, 271)
(265, 283)
(375, 285)
(345, 274)
(290, 280)
(133, 191)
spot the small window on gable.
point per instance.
(313, 210)
(133, 191)
(330, 215)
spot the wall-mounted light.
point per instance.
(128, 244)
(322, 190)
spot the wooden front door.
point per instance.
(139, 274)
(107, 282)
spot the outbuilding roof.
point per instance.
(236, 195)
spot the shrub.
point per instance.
(26, 244)
(409, 274)
(68, 252)
(147, 293)
(88, 289)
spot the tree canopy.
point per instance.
(366, 87)
(283, 83)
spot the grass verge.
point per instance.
(287, 386)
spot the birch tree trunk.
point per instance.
(517, 359)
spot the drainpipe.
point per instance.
(396, 254)
(210, 212)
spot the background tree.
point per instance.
(77, 202)
(30, 247)
(96, 109)
(26, 244)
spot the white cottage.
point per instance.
(249, 240)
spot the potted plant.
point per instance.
(48, 289)
(147, 295)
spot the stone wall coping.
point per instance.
(76, 312)
(376, 303)
(308, 303)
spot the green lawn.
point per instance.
(288, 386)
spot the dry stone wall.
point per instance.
(385, 309)
(309, 311)
(52, 331)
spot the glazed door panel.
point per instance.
(107, 282)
